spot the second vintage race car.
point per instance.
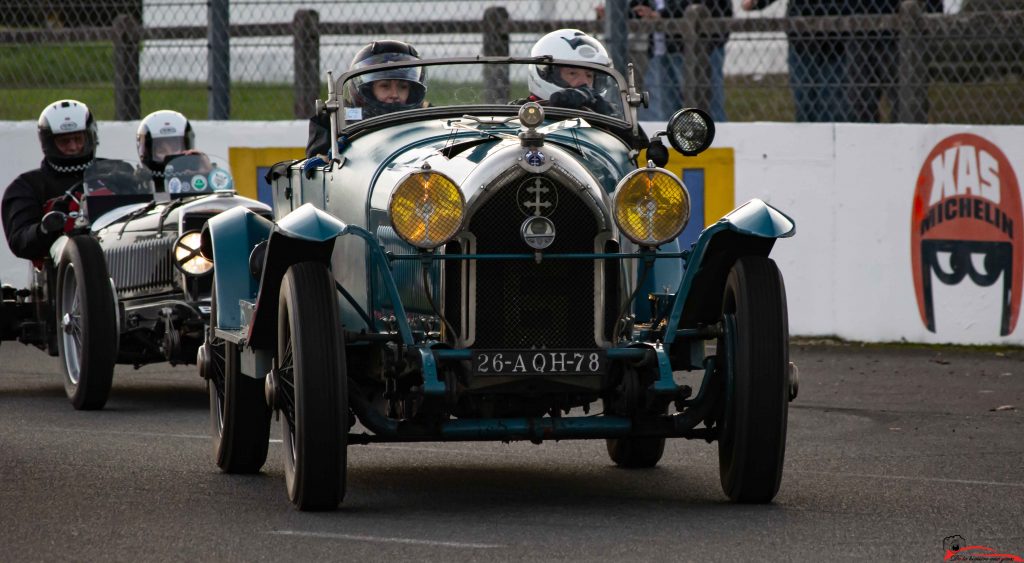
(478, 270)
(126, 284)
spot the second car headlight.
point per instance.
(651, 206)
(426, 209)
(187, 256)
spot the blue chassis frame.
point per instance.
(754, 219)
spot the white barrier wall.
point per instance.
(851, 190)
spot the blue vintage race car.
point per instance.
(480, 270)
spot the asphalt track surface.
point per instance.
(889, 451)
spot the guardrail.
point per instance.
(927, 43)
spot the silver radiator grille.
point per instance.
(142, 267)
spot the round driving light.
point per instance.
(531, 114)
(691, 131)
(187, 255)
(426, 209)
(651, 206)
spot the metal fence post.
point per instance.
(306, 47)
(696, 58)
(616, 32)
(912, 92)
(127, 36)
(218, 36)
(495, 44)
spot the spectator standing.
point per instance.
(872, 62)
(664, 75)
(817, 63)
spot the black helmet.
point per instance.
(161, 134)
(359, 90)
(62, 117)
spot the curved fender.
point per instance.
(229, 238)
(304, 235)
(749, 230)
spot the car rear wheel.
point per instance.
(87, 323)
(755, 346)
(239, 415)
(312, 388)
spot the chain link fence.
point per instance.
(939, 61)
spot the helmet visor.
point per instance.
(164, 147)
(411, 73)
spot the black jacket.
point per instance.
(23, 209)
(676, 9)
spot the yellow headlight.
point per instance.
(651, 206)
(187, 257)
(426, 209)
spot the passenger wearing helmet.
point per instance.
(161, 135)
(68, 135)
(569, 86)
(375, 93)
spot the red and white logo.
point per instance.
(967, 224)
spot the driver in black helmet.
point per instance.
(68, 135)
(375, 93)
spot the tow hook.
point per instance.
(794, 381)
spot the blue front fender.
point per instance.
(231, 236)
(749, 230)
(304, 235)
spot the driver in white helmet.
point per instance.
(569, 86)
(162, 135)
(68, 135)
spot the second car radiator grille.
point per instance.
(523, 304)
(142, 267)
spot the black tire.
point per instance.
(752, 439)
(87, 323)
(239, 415)
(313, 388)
(636, 453)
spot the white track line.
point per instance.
(379, 539)
(911, 478)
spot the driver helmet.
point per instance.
(163, 134)
(566, 45)
(359, 90)
(61, 118)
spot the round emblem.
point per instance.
(220, 179)
(538, 232)
(537, 196)
(198, 183)
(174, 185)
(534, 157)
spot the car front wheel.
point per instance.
(87, 323)
(312, 388)
(755, 350)
(239, 415)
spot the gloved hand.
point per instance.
(573, 97)
(580, 97)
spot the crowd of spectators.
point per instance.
(833, 75)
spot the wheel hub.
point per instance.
(203, 361)
(65, 323)
(270, 390)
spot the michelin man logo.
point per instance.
(966, 224)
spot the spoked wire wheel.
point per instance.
(87, 323)
(239, 415)
(755, 357)
(312, 388)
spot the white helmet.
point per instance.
(161, 134)
(62, 117)
(568, 45)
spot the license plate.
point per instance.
(540, 362)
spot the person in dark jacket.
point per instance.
(68, 135)
(836, 76)
(664, 75)
(872, 62)
(817, 67)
